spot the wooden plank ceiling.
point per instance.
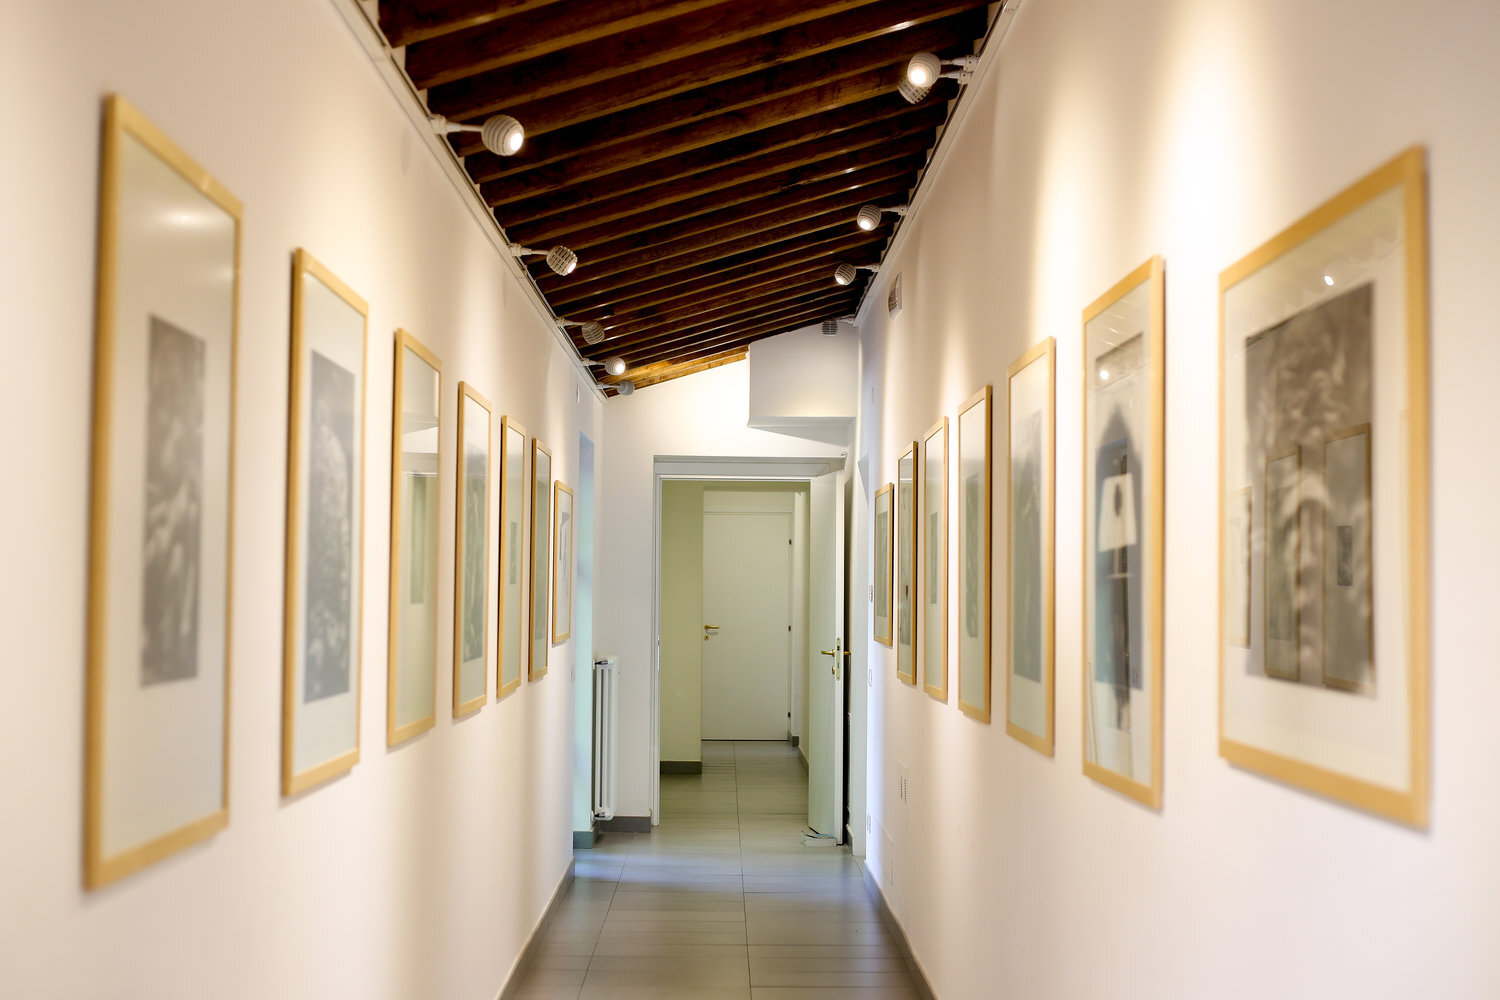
(704, 158)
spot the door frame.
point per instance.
(798, 469)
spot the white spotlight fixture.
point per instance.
(560, 259)
(615, 365)
(593, 332)
(501, 134)
(869, 215)
(925, 69)
(625, 388)
(846, 273)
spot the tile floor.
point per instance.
(721, 901)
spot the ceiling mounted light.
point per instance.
(593, 332)
(501, 134)
(869, 215)
(845, 274)
(560, 259)
(924, 70)
(625, 388)
(615, 365)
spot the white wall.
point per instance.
(421, 873)
(803, 376)
(1102, 134)
(704, 414)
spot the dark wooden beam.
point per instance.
(772, 327)
(674, 345)
(771, 227)
(694, 214)
(479, 93)
(821, 250)
(668, 373)
(647, 332)
(406, 21)
(909, 133)
(536, 33)
(550, 140)
(579, 280)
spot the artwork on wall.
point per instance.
(511, 645)
(883, 528)
(1324, 436)
(471, 560)
(906, 565)
(562, 569)
(411, 667)
(161, 512)
(975, 474)
(934, 507)
(1029, 525)
(1123, 487)
(541, 523)
(323, 594)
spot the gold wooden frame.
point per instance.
(938, 691)
(1152, 274)
(396, 734)
(983, 397)
(508, 425)
(1408, 172)
(1045, 350)
(1265, 577)
(888, 491)
(292, 781)
(1342, 685)
(914, 451)
(467, 392)
(532, 672)
(558, 489)
(122, 121)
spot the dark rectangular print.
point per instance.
(172, 533)
(331, 434)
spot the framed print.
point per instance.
(471, 559)
(325, 529)
(511, 647)
(161, 512)
(974, 500)
(906, 565)
(562, 571)
(883, 529)
(541, 522)
(1123, 488)
(1323, 664)
(411, 667)
(934, 507)
(1030, 507)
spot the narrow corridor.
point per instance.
(721, 901)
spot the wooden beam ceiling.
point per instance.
(704, 158)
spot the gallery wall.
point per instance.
(1097, 136)
(423, 871)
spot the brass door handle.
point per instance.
(711, 626)
(833, 652)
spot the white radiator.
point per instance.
(606, 719)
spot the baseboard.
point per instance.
(624, 824)
(584, 840)
(802, 759)
(682, 767)
(528, 955)
(898, 934)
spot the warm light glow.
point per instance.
(615, 366)
(1104, 375)
(1328, 280)
(514, 141)
(923, 69)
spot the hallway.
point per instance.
(721, 901)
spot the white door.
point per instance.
(747, 615)
(827, 656)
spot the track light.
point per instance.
(846, 273)
(615, 365)
(625, 388)
(560, 259)
(869, 215)
(924, 69)
(501, 134)
(593, 332)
